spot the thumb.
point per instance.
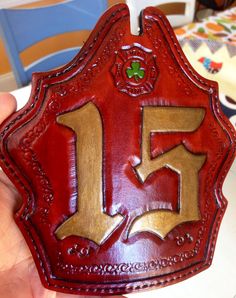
(7, 105)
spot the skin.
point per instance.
(18, 275)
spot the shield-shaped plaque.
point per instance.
(120, 158)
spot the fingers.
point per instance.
(7, 105)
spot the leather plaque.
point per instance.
(120, 157)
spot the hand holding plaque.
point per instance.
(119, 155)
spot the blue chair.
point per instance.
(22, 28)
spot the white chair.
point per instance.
(136, 6)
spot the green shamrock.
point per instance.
(135, 71)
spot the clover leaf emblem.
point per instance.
(135, 71)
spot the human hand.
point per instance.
(18, 274)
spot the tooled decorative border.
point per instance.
(144, 284)
(137, 267)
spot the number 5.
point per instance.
(179, 160)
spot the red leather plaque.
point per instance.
(120, 158)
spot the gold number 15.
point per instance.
(90, 221)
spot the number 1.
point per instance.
(89, 221)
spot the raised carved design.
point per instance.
(186, 238)
(178, 159)
(29, 155)
(162, 52)
(135, 71)
(99, 63)
(31, 158)
(137, 267)
(60, 92)
(79, 251)
(213, 176)
(90, 221)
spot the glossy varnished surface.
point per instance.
(117, 78)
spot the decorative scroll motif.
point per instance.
(31, 158)
(92, 71)
(138, 267)
(98, 65)
(135, 71)
(26, 146)
(79, 251)
(186, 238)
(162, 52)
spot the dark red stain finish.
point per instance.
(38, 155)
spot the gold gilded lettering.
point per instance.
(179, 159)
(89, 221)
